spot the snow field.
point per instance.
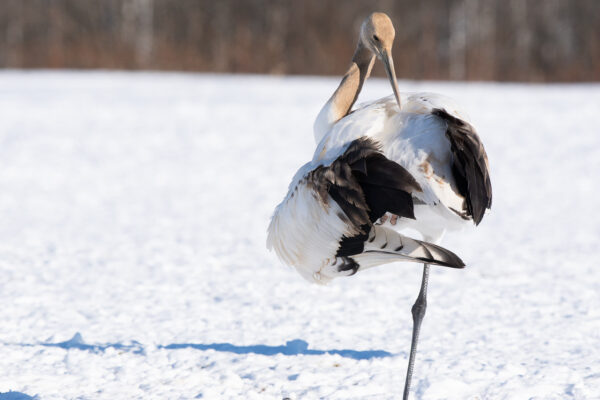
(134, 209)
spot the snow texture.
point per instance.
(133, 265)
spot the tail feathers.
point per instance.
(386, 245)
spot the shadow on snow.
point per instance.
(76, 342)
(10, 395)
(291, 348)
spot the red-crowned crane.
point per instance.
(404, 161)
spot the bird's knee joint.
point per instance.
(418, 309)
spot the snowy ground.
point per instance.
(133, 261)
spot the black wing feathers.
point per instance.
(366, 185)
(470, 167)
(387, 187)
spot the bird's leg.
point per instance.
(418, 312)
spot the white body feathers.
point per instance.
(415, 139)
(306, 230)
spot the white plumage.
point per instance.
(307, 228)
(416, 139)
(304, 232)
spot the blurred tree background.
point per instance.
(504, 40)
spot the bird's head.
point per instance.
(377, 34)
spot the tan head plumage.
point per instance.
(377, 33)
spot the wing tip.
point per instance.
(442, 256)
(470, 168)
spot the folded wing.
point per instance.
(470, 166)
(324, 227)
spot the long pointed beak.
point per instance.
(388, 63)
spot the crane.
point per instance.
(403, 161)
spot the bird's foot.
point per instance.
(392, 217)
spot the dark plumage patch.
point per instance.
(470, 166)
(348, 264)
(350, 246)
(366, 185)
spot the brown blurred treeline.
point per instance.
(506, 40)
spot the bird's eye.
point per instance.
(375, 38)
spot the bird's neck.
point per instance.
(340, 103)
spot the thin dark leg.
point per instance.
(418, 312)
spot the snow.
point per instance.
(134, 209)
